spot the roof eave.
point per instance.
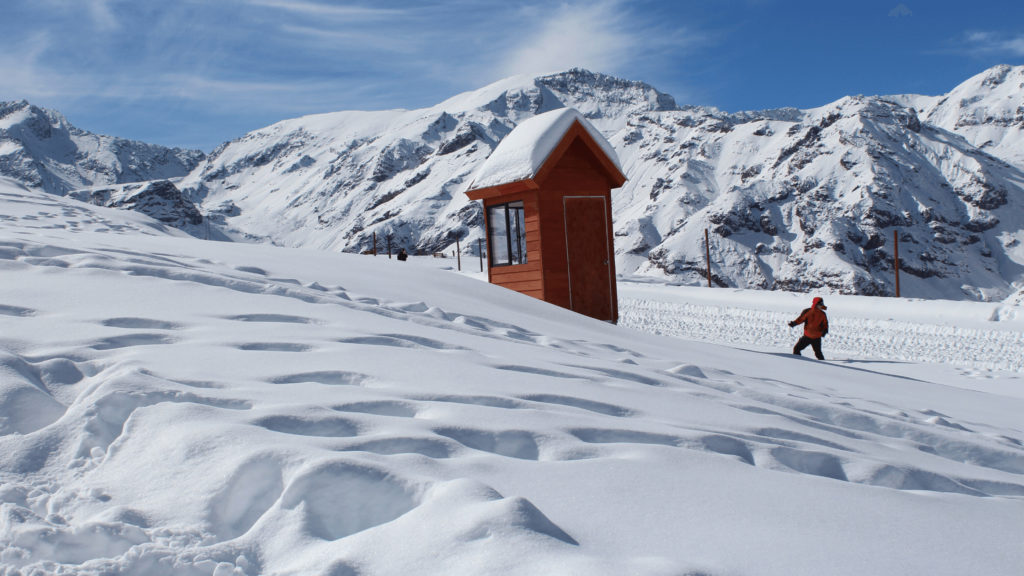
(503, 189)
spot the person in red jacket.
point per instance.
(815, 327)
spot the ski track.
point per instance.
(848, 338)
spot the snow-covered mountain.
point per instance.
(40, 148)
(812, 199)
(794, 199)
(331, 181)
(987, 109)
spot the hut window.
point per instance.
(507, 234)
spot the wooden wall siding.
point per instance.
(575, 175)
(526, 278)
(577, 167)
(578, 137)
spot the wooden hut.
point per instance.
(546, 191)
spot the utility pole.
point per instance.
(896, 258)
(707, 255)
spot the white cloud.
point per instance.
(102, 15)
(1015, 46)
(327, 10)
(588, 35)
(900, 11)
(23, 74)
(992, 42)
(359, 40)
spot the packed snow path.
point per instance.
(980, 336)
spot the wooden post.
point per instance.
(896, 258)
(480, 246)
(707, 255)
(375, 243)
(458, 254)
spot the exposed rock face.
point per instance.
(159, 199)
(812, 201)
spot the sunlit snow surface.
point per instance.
(173, 406)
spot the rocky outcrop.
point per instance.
(159, 199)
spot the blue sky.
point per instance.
(196, 73)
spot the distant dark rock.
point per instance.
(160, 200)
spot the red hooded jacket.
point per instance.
(814, 320)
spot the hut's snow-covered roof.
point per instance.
(521, 154)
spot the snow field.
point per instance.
(173, 406)
(849, 338)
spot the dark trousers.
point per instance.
(814, 343)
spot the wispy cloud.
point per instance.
(984, 42)
(900, 11)
(284, 58)
(23, 72)
(320, 10)
(352, 39)
(590, 35)
(102, 15)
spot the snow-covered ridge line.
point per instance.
(40, 148)
(795, 200)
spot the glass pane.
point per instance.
(517, 218)
(498, 235)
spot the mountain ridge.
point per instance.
(40, 148)
(794, 199)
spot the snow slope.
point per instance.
(175, 406)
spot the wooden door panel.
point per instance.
(586, 238)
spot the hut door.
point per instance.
(586, 240)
